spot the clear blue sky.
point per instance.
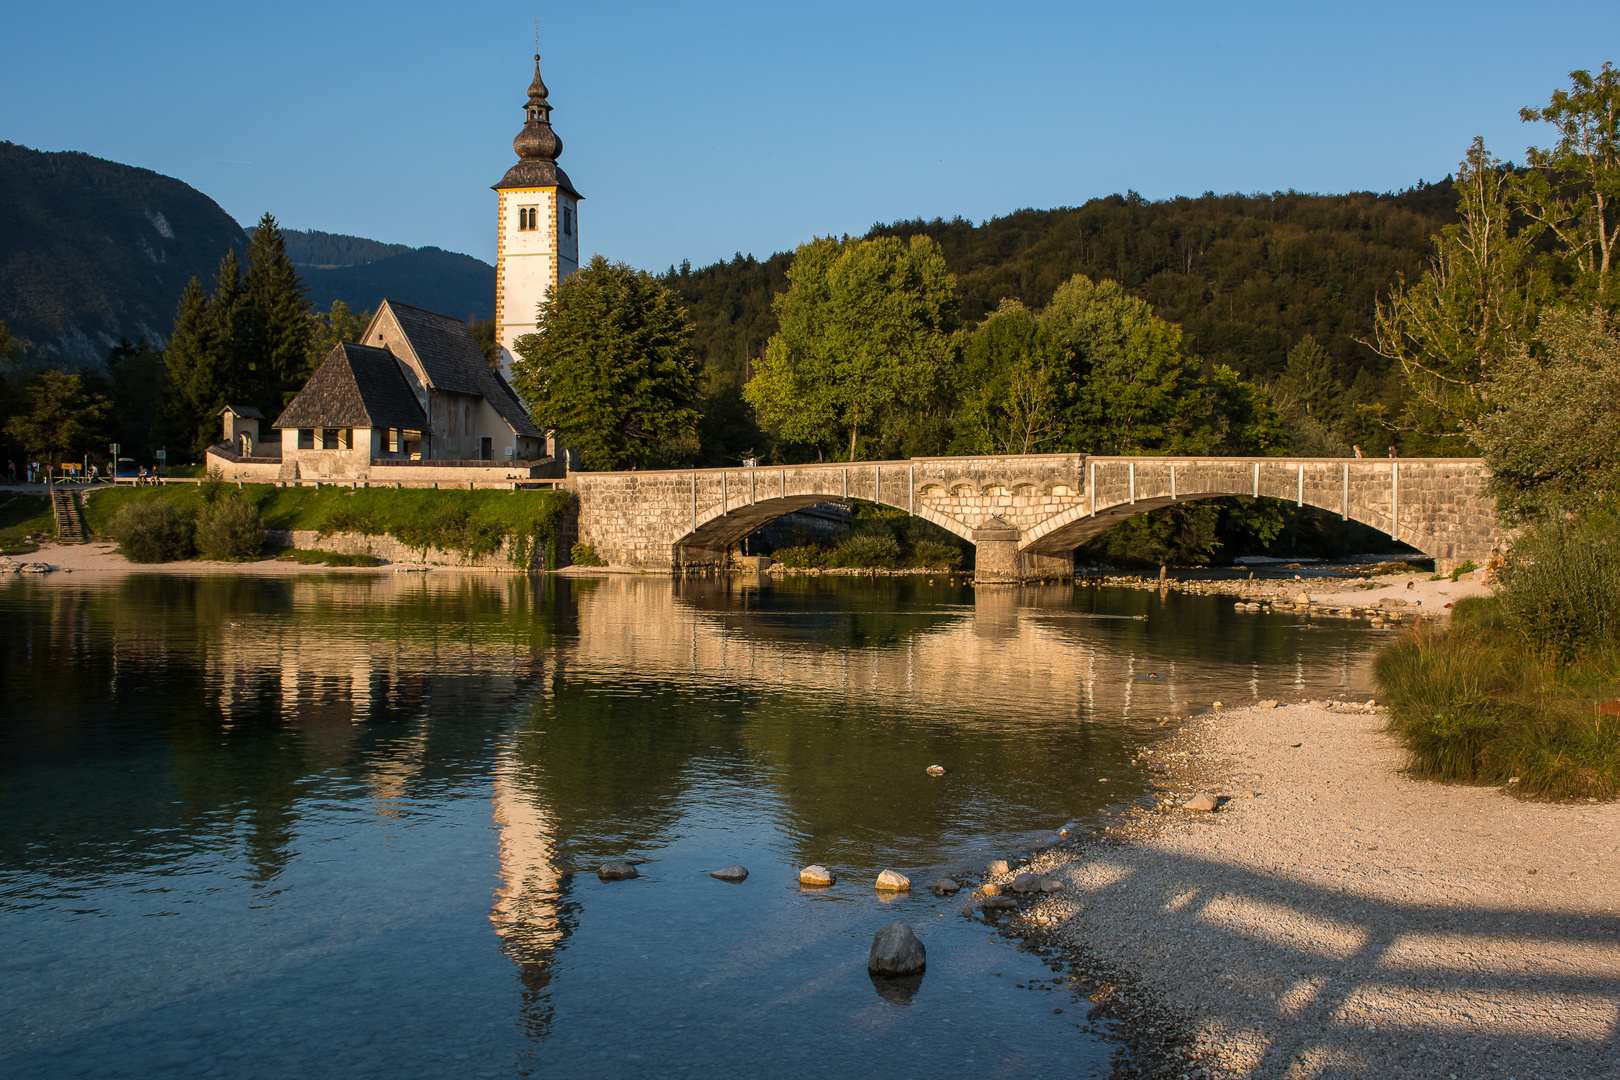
(699, 130)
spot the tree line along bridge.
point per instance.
(1026, 514)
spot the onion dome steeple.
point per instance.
(537, 146)
(537, 140)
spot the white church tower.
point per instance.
(537, 224)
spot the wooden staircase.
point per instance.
(69, 521)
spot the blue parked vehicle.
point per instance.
(126, 469)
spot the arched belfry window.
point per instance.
(528, 218)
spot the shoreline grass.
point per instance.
(1510, 692)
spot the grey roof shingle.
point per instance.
(355, 386)
(531, 173)
(454, 362)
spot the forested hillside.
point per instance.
(95, 251)
(1247, 277)
(362, 272)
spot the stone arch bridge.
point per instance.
(1026, 514)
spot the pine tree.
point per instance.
(192, 368)
(279, 321)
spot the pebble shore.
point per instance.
(1335, 917)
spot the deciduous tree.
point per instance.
(58, 416)
(1553, 442)
(1473, 307)
(611, 369)
(1573, 188)
(863, 338)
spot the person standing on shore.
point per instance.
(11, 471)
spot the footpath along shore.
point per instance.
(1338, 918)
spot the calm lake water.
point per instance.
(347, 825)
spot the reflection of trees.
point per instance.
(229, 693)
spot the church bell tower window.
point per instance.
(568, 221)
(528, 218)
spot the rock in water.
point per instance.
(896, 951)
(944, 887)
(935, 770)
(616, 871)
(1026, 883)
(816, 875)
(889, 881)
(1200, 801)
(731, 873)
(1000, 867)
(990, 889)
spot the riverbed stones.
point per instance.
(1000, 867)
(1203, 801)
(730, 873)
(1051, 884)
(990, 888)
(944, 887)
(616, 870)
(1026, 883)
(935, 770)
(816, 875)
(896, 951)
(890, 881)
(998, 903)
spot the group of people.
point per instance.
(31, 475)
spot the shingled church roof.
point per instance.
(452, 361)
(355, 386)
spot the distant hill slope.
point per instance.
(324, 250)
(442, 281)
(92, 251)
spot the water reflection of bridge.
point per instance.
(1032, 648)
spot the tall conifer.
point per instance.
(279, 325)
(192, 361)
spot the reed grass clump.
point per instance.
(1510, 692)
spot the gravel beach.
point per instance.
(1336, 917)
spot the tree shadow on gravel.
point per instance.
(1302, 981)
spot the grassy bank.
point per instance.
(1509, 693)
(474, 523)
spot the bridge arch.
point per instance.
(1025, 514)
(1438, 506)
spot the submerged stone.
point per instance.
(616, 871)
(730, 873)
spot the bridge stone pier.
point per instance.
(1026, 514)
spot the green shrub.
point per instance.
(1561, 584)
(228, 529)
(1473, 705)
(1465, 568)
(867, 551)
(153, 532)
(583, 555)
(213, 486)
(802, 556)
(936, 555)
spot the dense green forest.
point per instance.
(1247, 277)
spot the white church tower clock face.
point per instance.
(537, 224)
